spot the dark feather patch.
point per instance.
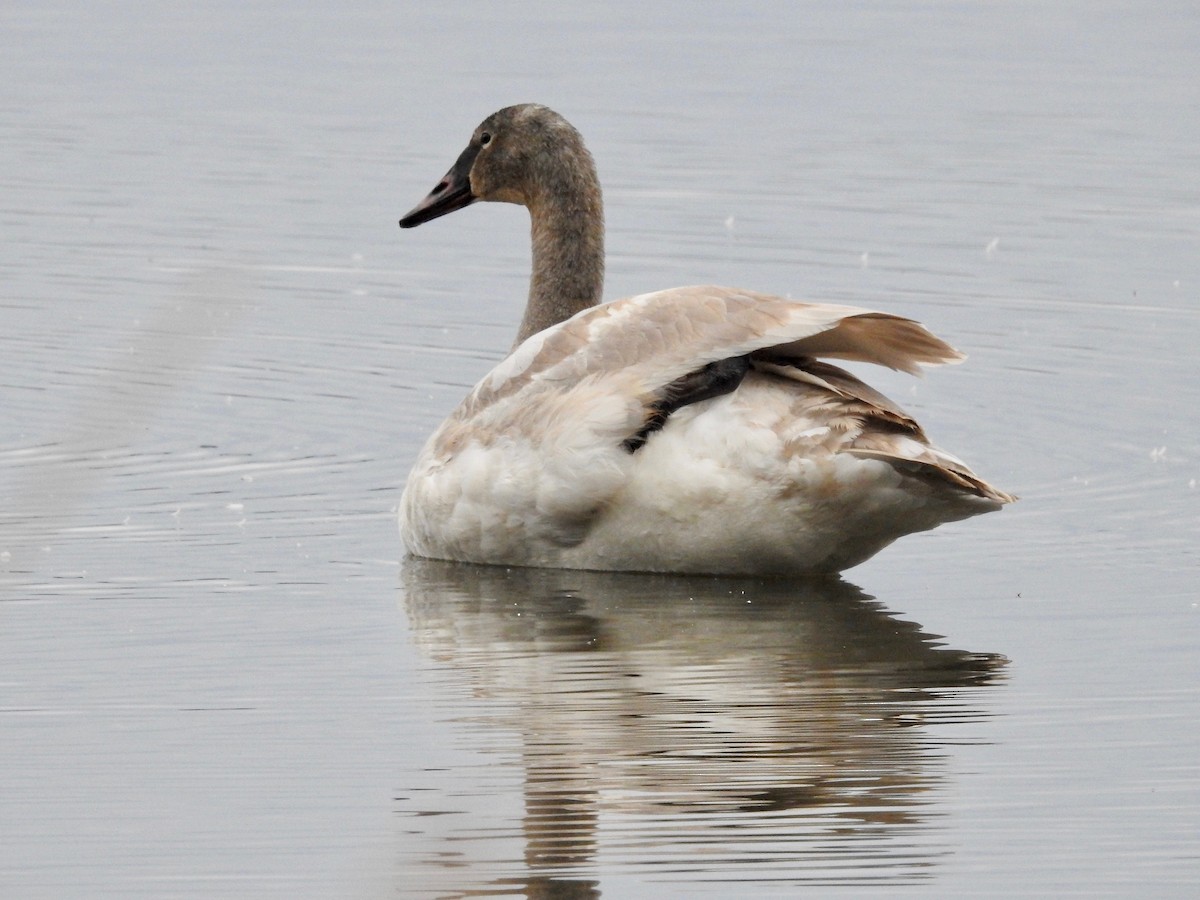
(713, 380)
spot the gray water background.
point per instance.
(218, 357)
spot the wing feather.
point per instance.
(653, 339)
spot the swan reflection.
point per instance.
(678, 727)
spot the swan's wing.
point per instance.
(884, 431)
(652, 340)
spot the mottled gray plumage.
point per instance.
(627, 435)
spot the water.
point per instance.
(219, 356)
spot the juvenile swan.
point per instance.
(696, 429)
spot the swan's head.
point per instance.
(520, 154)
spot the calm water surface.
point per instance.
(219, 356)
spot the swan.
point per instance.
(691, 430)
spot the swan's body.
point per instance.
(687, 430)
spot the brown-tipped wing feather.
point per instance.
(886, 432)
(660, 337)
(677, 347)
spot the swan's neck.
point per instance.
(567, 225)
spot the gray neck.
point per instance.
(567, 226)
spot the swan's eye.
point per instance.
(485, 139)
